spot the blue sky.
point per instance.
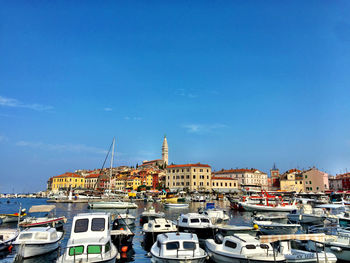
(231, 84)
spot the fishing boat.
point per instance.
(13, 218)
(150, 214)
(272, 228)
(90, 240)
(283, 244)
(7, 236)
(241, 248)
(43, 221)
(175, 205)
(37, 241)
(170, 198)
(176, 248)
(196, 223)
(155, 227)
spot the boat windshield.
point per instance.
(81, 225)
(172, 245)
(205, 220)
(98, 224)
(189, 245)
(41, 236)
(25, 236)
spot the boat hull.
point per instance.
(32, 250)
(156, 259)
(202, 233)
(306, 219)
(252, 207)
(111, 205)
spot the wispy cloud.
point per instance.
(185, 93)
(203, 128)
(14, 103)
(75, 148)
(108, 109)
(132, 118)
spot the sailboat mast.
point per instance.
(110, 173)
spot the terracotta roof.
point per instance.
(69, 175)
(222, 178)
(293, 170)
(92, 176)
(236, 171)
(188, 165)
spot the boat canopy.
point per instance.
(319, 237)
(41, 208)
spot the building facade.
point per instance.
(292, 181)
(194, 177)
(224, 184)
(315, 180)
(335, 183)
(275, 178)
(68, 180)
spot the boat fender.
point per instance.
(124, 249)
(10, 248)
(255, 226)
(336, 249)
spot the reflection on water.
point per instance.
(69, 210)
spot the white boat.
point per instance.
(7, 236)
(37, 241)
(198, 224)
(127, 219)
(176, 248)
(268, 208)
(216, 215)
(176, 205)
(150, 214)
(274, 217)
(308, 215)
(90, 240)
(112, 205)
(155, 227)
(229, 230)
(272, 228)
(43, 221)
(297, 255)
(241, 248)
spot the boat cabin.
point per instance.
(38, 235)
(195, 220)
(177, 245)
(159, 225)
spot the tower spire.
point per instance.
(165, 150)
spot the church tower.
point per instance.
(165, 151)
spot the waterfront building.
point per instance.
(292, 181)
(275, 178)
(336, 182)
(68, 180)
(252, 177)
(91, 181)
(194, 177)
(133, 183)
(315, 180)
(224, 184)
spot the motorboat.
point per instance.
(176, 205)
(121, 234)
(272, 228)
(13, 218)
(196, 223)
(216, 215)
(126, 218)
(308, 215)
(155, 227)
(241, 248)
(37, 241)
(279, 207)
(274, 217)
(117, 204)
(284, 246)
(150, 214)
(229, 230)
(176, 248)
(43, 221)
(7, 236)
(90, 239)
(199, 198)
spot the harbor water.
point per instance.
(69, 210)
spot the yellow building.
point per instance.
(133, 182)
(149, 180)
(292, 181)
(68, 180)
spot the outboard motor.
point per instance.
(218, 238)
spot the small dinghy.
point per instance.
(272, 228)
(155, 227)
(176, 248)
(37, 241)
(7, 236)
(241, 248)
(150, 214)
(175, 205)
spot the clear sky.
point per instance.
(231, 84)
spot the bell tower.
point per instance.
(165, 151)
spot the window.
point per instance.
(188, 170)
(81, 225)
(194, 183)
(108, 247)
(78, 250)
(194, 177)
(172, 245)
(98, 224)
(230, 244)
(189, 245)
(187, 176)
(195, 220)
(201, 170)
(305, 176)
(250, 246)
(25, 236)
(309, 182)
(94, 249)
(194, 170)
(296, 182)
(184, 220)
(205, 220)
(41, 236)
(182, 177)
